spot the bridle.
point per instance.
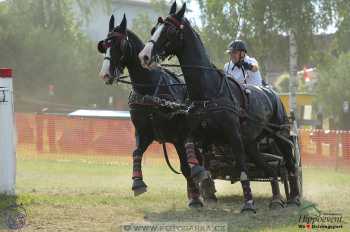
(126, 50)
(178, 25)
(174, 32)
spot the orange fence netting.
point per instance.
(66, 136)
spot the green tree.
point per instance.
(220, 21)
(343, 24)
(264, 24)
(333, 85)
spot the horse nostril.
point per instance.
(146, 58)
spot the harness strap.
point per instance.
(136, 99)
(245, 79)
(165, 151)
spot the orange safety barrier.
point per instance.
(54, 134)
(67, 136)
(325, 148)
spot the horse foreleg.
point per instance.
(191, 159)
(142, 142)
(192, 190)
(199, 175)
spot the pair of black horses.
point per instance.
(219, 111)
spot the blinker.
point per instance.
(101, 47)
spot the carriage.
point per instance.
(221, 167)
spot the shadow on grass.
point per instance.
(227, 210)
(12, 214)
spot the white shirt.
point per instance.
(252, 78)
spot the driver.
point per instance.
(241, 67)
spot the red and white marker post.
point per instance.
(7, 134)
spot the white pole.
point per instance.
(7, 134)
(293, 70)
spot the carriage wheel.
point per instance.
(298, 165)
(297, 156)
(299, 169)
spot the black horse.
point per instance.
(153, 103)
(221, 111)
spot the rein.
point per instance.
(121, 80)
(191, 66)
(166, 156)
(224, 81)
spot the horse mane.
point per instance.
(132, 36)
(187, 22)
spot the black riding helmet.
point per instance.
(236, 45)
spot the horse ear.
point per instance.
(180, 14)
(111, 23)
(173, 8)
(123, 24)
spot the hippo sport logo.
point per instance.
(15, 217)
(319, 220)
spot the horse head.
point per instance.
(117, 49)
(167, 38)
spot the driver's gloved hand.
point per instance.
(247, 66)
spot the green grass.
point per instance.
(92, 196)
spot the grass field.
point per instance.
(62, 195)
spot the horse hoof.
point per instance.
(294, 202)
(248, 207)
(211, 200)
(195, 203)
(139, 187)
(277, 204)
(139, 191)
